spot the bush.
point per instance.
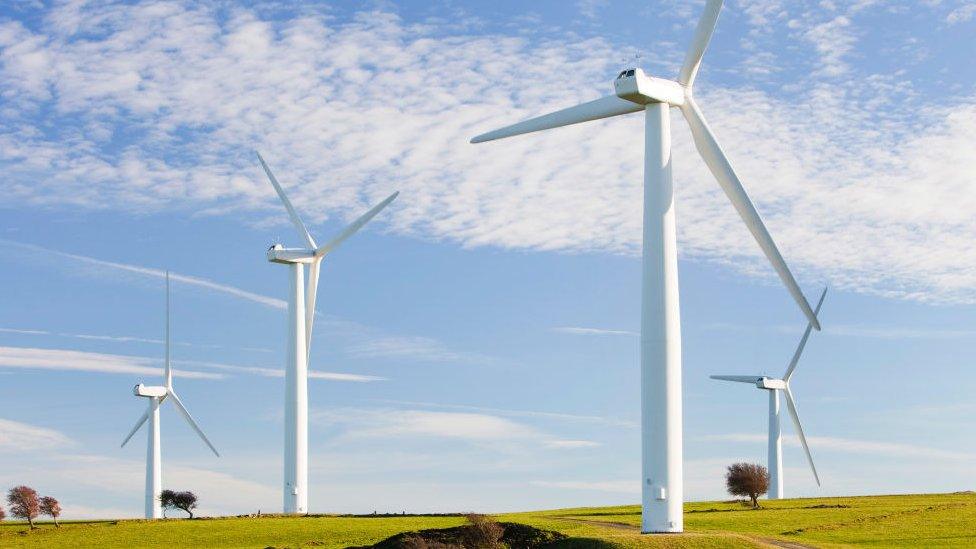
(482, 533)
(747, 479)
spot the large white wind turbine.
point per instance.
(662, 490)
(301, 315)
(775, 386)
(156, 396)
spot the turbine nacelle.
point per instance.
(280, 254)
(149, 391)
(771, 384)
(635, 86)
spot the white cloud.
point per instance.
(419, 423)
(591, 8)
(123, 339)
(366, 342)
(158, 273)
(518, 413)
(410, 348)
(895, 332)
(219, 492)
(854, 446)
(81, 361)
(592, 331)
(278, 372)
(19, 437)
(571, 444)
(834, 163)
(504, 435)
(962, 14)
(851, 330)
(616, 486)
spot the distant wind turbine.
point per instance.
(775, 387)
(662, 489)
(301, 315)
(156, 396)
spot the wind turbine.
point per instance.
(301, 315)
(775, 386)
(156, 396)
(662, 489)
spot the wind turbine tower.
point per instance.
(301, 315)
(775, 387)
(661, 481)
(155, 396)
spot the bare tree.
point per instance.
(24, 503)
(171, 499)
(747, 479)
(51, 507)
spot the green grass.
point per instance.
(935, 520)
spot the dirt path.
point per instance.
(614, 525)
(770, 542)
(784, 544)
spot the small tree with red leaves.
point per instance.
(24, 503)
(747, 479)
(51, 508)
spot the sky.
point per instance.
(476, 346)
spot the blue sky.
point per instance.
(483, 327)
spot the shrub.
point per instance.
(482, 533)
(747, 479)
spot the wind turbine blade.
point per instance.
(295, 220)
(803, 341)
(168, 374)
(310, 294)
(604, 107)
(791, 404)
(355, 226)
(739, 379)
(703, 35)
(189, 419)
(721, 168)
(139, 423)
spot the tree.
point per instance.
(51, 508)
(24, 503)
(747, 479)
(171, 499)
(3, 514)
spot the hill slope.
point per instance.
(935, 520)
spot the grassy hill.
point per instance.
(934, 520)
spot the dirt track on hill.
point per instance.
(768, 542)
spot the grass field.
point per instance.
(935, 520)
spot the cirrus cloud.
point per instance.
(155, 104)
